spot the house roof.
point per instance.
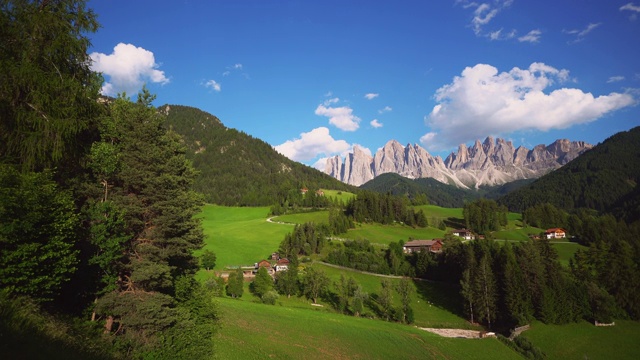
(418, 243)
(553, 230)
(264, 263)
(283, 261)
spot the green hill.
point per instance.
(437, 193)
(237, 169)
(604, 178)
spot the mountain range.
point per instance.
(488, 163)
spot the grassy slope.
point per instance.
(317, 217)
(256, 331)
(240, 235)
(384, 234)
(431, 302)
(585, 341)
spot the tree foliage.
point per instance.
(47, 90)
(37, 234)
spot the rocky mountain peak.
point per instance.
(492, 162)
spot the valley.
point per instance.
(251, 330)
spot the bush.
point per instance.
(270, 297)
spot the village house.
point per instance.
(463, 233)
(555, 233)
(282, 265)
(434, 246)
(303, 191)
(265, 264)
(320, 193)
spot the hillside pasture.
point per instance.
(240, 235)
(255, 331)
(583, 340)
(321, 216)
(434, 304)
(385, 234)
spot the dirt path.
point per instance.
(454, 333)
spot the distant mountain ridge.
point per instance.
(490, 163)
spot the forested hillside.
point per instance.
(604, 178)
(435, 192)
(236, 168)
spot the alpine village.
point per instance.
(130, 230)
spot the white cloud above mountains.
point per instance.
(214, 85)
(483, 101)
(128, 68)
(311, 144)
(375, 123)
(371, 96)
(341, 117)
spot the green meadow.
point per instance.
(321, 216)
(585, 341)
(431, 302)
(240, 235)
(384, 234)
(293, 328)
(255, 331)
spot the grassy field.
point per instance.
(343, 196)
(384, 234)
(317, 217)
(240, 235)
(585, 341)
(255, 331)
(431, 302)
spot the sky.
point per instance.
(316, 78)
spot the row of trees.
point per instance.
(483, 216)
(370, 206)
(361, 255)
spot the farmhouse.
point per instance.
(265, 264)
(555, 233)
(282, 265)
(435, 246)
(303, 191)
(463, 233)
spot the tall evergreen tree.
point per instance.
(47, 90)
(152, 187)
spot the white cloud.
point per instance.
(214, 85)
(385, 109)
(483, 14)
(371, 96)
(375, 123)
(532, 36)
(581, 34)
(341, 117)
(633, 8)
(127, 68)
(330, 101)
(311, 144)
(483, 101)
(615, 79)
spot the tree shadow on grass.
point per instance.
(442, 295)
(455, 223)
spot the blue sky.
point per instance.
(315, 78)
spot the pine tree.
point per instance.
(152, 187)
(47, 90)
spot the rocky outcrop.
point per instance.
(492, 162)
